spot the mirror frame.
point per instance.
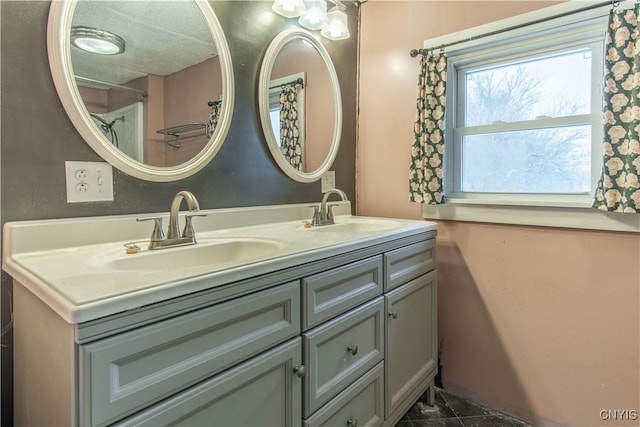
(263, 94)
(59, 51)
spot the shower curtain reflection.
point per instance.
(123, 127)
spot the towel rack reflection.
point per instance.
(177, 133)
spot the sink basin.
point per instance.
(360, 225)
(208, 253)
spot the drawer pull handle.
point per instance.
(353, 349)
(393, 314)
(299, 370)
(352, 423)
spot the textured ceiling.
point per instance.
(161, 37)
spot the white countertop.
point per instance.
(73, 264)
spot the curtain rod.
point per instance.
(293, 82)
(87, 80)
(416, 52)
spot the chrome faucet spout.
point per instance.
(174, 238)
(326, 215)
(173, 231)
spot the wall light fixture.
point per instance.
(315, 18)
(289, 8)
(337, 28)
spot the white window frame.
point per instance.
(455, 127)
(560, 210)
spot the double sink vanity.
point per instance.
(267, 320)
(283, 315)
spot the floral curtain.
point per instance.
(289, 127)
(425, 177)
(214, 116)
(618, 189)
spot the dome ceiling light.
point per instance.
(97, 41)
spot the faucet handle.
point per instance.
(188, 226)
(315, 220)
(157, 234)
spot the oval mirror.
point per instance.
(300, 105)
(157, 102)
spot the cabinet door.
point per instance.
(264, 391)
(411, 336)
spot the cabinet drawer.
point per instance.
(404, 264)
(124, 373)
(263, 391)
(333, 292)
(339, 351)
(359, 405)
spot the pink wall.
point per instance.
(189, 91)
(155, 148)
(94, 99)
(540, 322)
(176, 99)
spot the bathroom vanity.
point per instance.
(314, 326)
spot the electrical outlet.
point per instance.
(328, 181)
(89, 182)
(81, 175)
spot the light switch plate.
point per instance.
(89, 182)
(328, 181)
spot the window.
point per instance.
(274, 105)
(524, 120)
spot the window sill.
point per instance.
(576, 216)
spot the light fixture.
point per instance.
(97, 41)
(315, 18)
(289, 8)
(337, 28)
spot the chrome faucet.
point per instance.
(324, 215)
(174, 238)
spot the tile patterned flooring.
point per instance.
(453, 411)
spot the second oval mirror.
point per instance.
(300, 105)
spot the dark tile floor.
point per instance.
(453, 411)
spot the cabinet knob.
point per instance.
(353, 349)
(299, 370)
(393, 314)
(352, 422)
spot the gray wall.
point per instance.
(37, 137)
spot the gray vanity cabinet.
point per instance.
(348, 339)
(370, 338)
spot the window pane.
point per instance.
(556, 160)
(275, 123)
(553, 86)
